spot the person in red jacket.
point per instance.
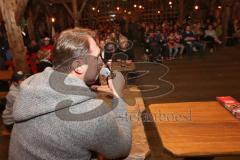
(47, 46)
(45, 55)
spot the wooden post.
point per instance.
(236, 8)
(30, 25)
(48, 25)
(15, 39)
(19, 10)
(227, 17)
(181, 11)
(0, 17)
(83, 6)
(68, 9)
(212, 7)
(75, 13)
(62, 20)
(225, 20)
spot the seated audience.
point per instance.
(45, 55)
(218, 29)
(46, 46)
(190, 40)
(211, 37)
(43, 60)
(32, 56)
(173, 49)
(178, 41)
(197, 31)
(237, 29)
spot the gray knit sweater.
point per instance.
(59, 118)
(7, 115)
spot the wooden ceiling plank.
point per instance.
(82, 8)
(68, 9)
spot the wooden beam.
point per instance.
(30, 25)
(14, 34)
(235, 12)
(0, 17)
(20, 8)
(212, 7)
(59, 1)
(227, 5)
(82, 8)
(90, 12)
(181, 11)
(36, 12)
(68, 9)
(62, 19)
(98, 3)
(75, 12)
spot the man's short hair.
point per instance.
(71, 47)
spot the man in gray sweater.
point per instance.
(57, 117)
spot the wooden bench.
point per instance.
(132, 95)
(207, 45)
(230, 40)
(3, 94)
(6, 75)
(196, 129)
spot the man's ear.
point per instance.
(79, 70)
(77, 66)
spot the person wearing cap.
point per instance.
(7, 115)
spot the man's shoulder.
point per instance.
(90, 110)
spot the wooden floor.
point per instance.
(199, 78)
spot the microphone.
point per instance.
(105, 72)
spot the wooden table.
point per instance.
(6, 75)
(197, 129)
(140, 149)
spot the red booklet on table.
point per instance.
(230, 104)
